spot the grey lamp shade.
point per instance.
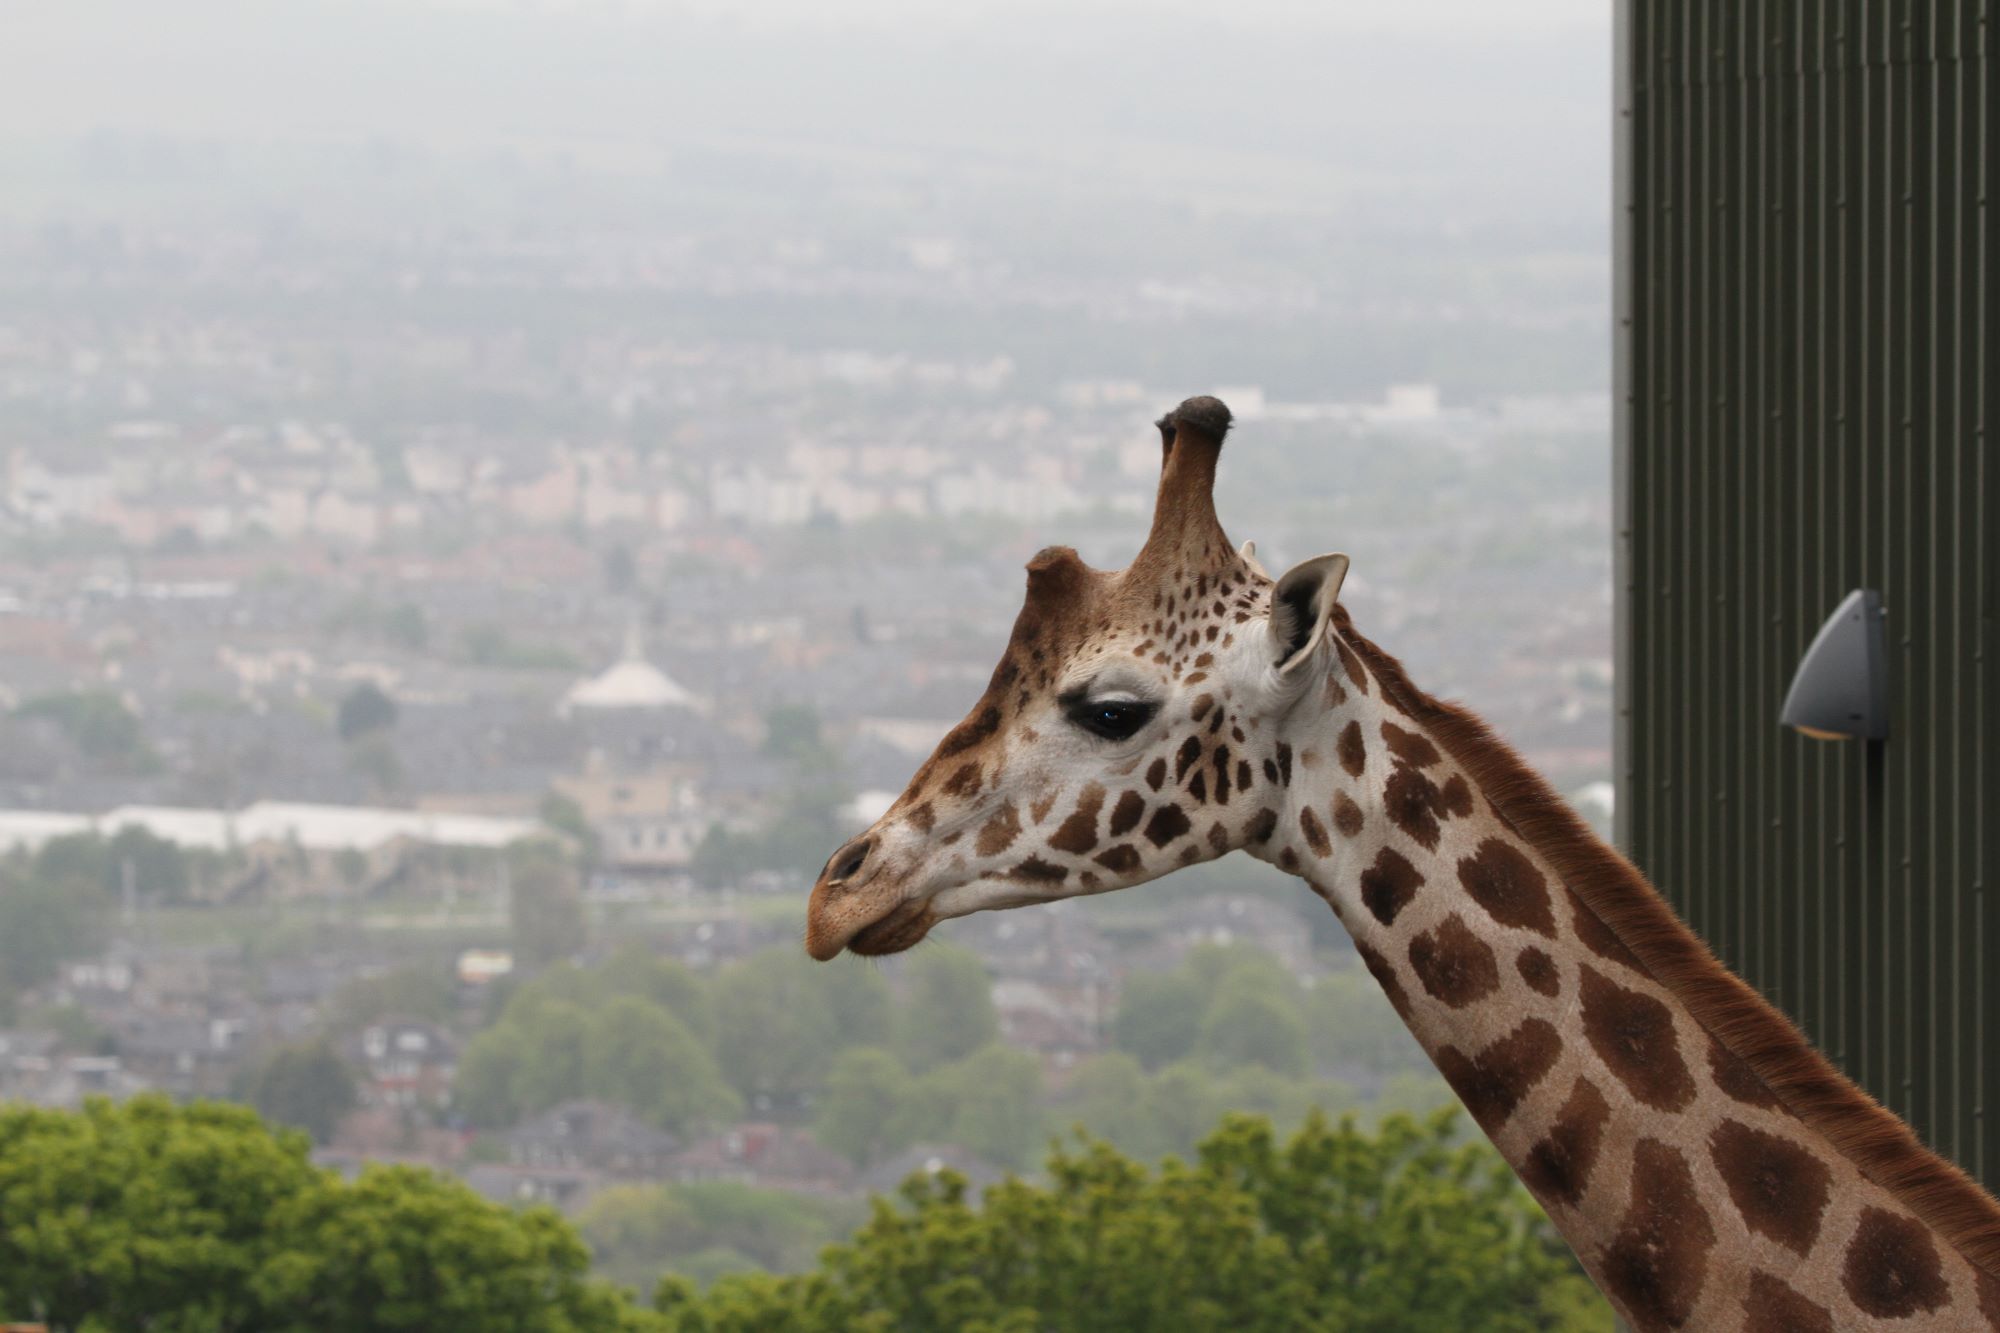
(1841, 690)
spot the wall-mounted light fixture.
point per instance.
(1841, 691)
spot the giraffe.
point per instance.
(1710, 1169)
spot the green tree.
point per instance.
(792, 731)
(142, 1215)
(948, 1013)
(1159, 1015)
(867, 1092)
(996, 1094)
(709, 1228)
(1354, 1027)
(552, 1068)
(200, 1219)
(402, 1249)
(564, 815)
(856, 998)
(635, 970)
(1405, 1229)
(772, 1036)
(43, 922)
(641, 1057)
(1246, 1024)
(423, 990)
(308, 1087)
(159, 868)
(406, 626)
(544, 905)
(1108, 1096)
(364, 710)
(490, 1074)
(98, 723)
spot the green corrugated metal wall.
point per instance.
(1806, 356)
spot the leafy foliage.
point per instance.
(148, 1215)
(780, 1021)
(572, 1033)
(99, 724)
(544, 905)
(198, 1219)
(1406, 1229)
(308, 1087)
(710, 1228)
(42, 923)
(950, 1011)
(364, 710)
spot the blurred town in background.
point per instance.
(453, 598)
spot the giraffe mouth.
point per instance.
(905, 925)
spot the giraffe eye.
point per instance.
(1113, 719)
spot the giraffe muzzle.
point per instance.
(860, 904)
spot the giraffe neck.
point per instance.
(1603, 1050)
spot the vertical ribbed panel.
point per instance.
(1806, 313)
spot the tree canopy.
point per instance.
(148, 1215)
(1406, 1229)
(199, 1219)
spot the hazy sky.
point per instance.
(259, 66)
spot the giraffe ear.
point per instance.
(1301, 606)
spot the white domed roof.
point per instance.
(631, 682)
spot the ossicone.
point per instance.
(1202, 415)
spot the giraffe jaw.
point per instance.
(904, 922)
(903, 928)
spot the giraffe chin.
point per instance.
(903, 928)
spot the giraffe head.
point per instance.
(1132, 726)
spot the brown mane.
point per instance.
(1885, 1149)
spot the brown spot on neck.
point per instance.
(1772, 1305)
(1388, 885)
(1492, 1083)
(1539, 970)
(1633, 1034)
(1558, 1166)
(1351, 750)
(1891, 1269)
(1346, 815)
(1454, 965)
(1315, 833)
(1653, 1267)
(1777, 1185)
(1501, 879)
(1409, 747)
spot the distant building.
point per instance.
(592, 1135)
(406, 1063)
(291, 847)
(563, 1188)
(632, 682)
(769, 1156)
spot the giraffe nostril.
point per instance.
(847, 862)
